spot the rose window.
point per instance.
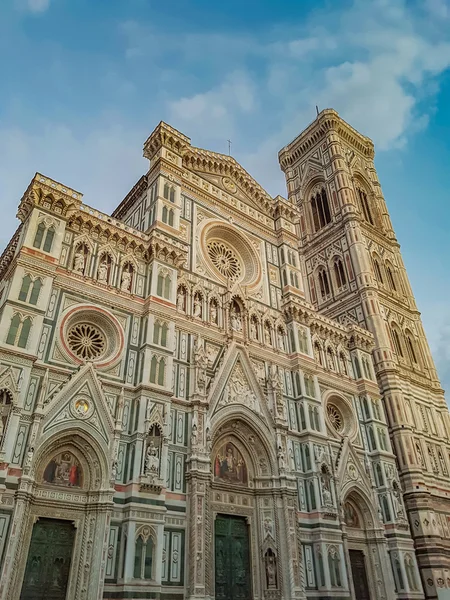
(335, 417)
(224, 259)
(86, 341)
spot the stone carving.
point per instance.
(271, 569)
(238, 390)
(126, 281)
(79, 260)
(197, 310)
(181, 299)
(151, 460)
(102, 272)
(235, 318)
(200, 362)
(213, 313)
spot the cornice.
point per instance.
(199, 160)
(134, 194)
(51, 195)
(327, 121)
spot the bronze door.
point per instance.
(48, 564)
(359, 575)
(232, 558)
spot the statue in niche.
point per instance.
(102, 272)
(194, 435)
(281, 459)
(281, 345)
(267, 335)
(235, 317)
(197, 312)
(325, 480)
(317, 355)
(201, 362)
(181, 299)
(213, 312)
(253, 329)
(126, 281)
(271, 569)
(152, 459)
(79, 260)
(398, 504)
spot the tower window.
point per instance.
(365, 207)
(19, 331)
(391, 279)
(49, 234)
(410, 347)
(339, 273)
(320, 210)
(397, 344)
(377, 269)
(324, 284)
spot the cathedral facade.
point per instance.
(217, 394)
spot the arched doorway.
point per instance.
(361, 539)
(61, 517)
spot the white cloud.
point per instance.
(216, 110)
(33, 6)
(103, 163)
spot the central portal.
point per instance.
(48, 565)
(232, 558)
(359, 575)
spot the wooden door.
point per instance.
(232, 559)
(49, 557)
(359, 575)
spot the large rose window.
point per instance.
(229, 254)
(335, 417)
(86, 341)
(90, 333)
(224, 259)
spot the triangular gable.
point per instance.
(236, 384)
(350, 472)
(8, 381)
(80, 399)
(227, 174)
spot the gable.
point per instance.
(80, 399)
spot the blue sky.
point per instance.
(84, 82)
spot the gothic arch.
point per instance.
(251, 435)
(92, 456)
(364, 504)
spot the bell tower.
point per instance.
(354, 272)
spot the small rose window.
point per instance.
(335, 417)
(86, 341)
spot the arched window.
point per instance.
(163, 284)
(19, 331)
(339, 273)
(357, 367)
(310, 389)
(48, 243)
(410, 348)
(39, 236)
(379, 474)
(396, 340)
(312, 496)
(324, 285)
(24, 333)
(164, 330)
(372, 443)
(301, 411)
(156, 332)
(143, 558)
(385, 509)
(307, 457)
(390, 277)
(411, 573)
(376, 410)
(35, 291)
(320, 210)
(161, 371)
(171, 215)
(377, 269)
(365, 206)
(165, 213)
(23, 294)
(366, 368)
(153, 369)
(382, 438)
